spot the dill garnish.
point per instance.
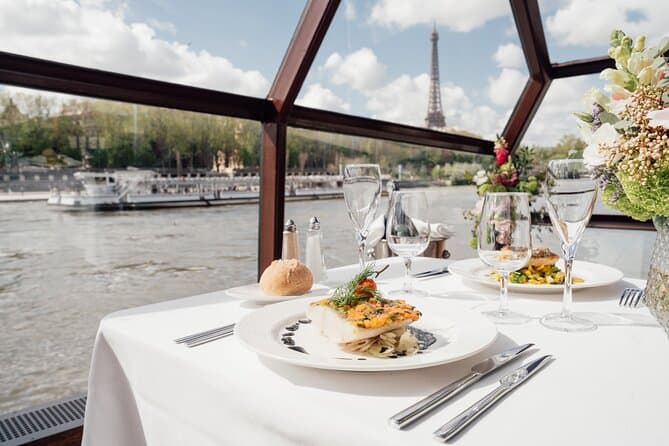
(351, 292)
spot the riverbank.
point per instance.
(15, 197)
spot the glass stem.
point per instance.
(362, 249)
(503, 293)
(567, 297)
(407, 275)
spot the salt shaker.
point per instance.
(314, 258)
(290, 247)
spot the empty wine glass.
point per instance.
(408, 231)
(570, 195)
(362, 189)
(504, 243)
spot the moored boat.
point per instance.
(145, 189)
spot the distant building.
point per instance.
(87, 139)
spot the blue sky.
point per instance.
(374, 60)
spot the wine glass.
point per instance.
(408, 231)
(362, 189)
(570, 195)
(505, 244)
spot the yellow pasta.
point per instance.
(539, 275)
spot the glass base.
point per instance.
(507, 317)
(560, 322)
(406, 293)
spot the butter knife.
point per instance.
(431, 272)
(506, 385)
(478, 371)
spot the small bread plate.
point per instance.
(254, 294)
(593, 275)
(446, 332)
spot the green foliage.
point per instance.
(647, 200)
(622, 203)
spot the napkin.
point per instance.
(377, 230)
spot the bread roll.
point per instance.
(286, 278)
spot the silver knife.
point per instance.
(478, 371)
(506, 385)
(432, 272)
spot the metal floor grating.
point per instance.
(21, 427)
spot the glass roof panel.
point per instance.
(577, 29)
(375, 62)
(555, 121)
(224, 45)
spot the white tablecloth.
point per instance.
(607, 387)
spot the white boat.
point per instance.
(144, 189)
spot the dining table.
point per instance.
(604, 387)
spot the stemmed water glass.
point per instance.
(408, 231)
(570, 195)
(362, 189)
(504, 243)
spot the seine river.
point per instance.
(61, 272)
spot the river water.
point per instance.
(61, 272)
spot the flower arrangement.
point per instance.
(628, 148)
(627, 129)
(511, 173)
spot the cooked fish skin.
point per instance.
(333, 325)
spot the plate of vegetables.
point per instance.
(543, 274)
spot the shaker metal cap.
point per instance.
(314, 223)
(290, 226)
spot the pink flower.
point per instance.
(501, 155)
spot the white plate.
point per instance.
(593, 275)
(459, 333)
(253, 293)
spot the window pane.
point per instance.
(375, 62)
(63, 269)
(223, 45)
(444, 175)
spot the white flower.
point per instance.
(595, 96)
(605, 134)
(659, 118)
(480, 177)
(617, 107)
(639, 61)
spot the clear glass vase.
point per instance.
(657, 287)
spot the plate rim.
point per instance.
(355, 366)
(533, 288)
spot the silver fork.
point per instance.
(631, 297)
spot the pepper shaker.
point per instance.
(290, 248)
(314, 258)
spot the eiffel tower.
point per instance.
(435, 116)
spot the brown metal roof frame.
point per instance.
(278, 110)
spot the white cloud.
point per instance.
(92, 35)
(554, 118)
(509, 55)
(322, 98)
(402, 100)
(567, 24)
(360, 69)
(349, 11)
(456, 15)
(505, 88)
(162, 26)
